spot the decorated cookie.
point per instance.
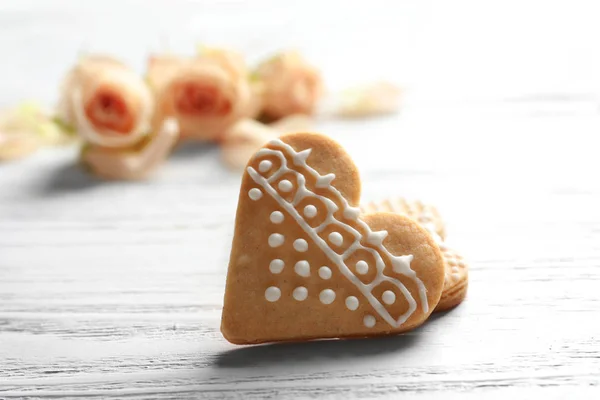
(305, 264)
(456, 278)
(426, 214)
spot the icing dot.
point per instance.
(455, 277)
(388, 297)
(272, 294)
(455, 269)
(336, 238)
(461, 263)
(369, 321)
(300, 245)
(442, 246)
(276, 217)
(265, 165)
(362, 267)
(276, 266)
(351, 303)
(325, 272)
(285, 185)
(255, 194)
(327, 296)
(300, 293)
(302, 268)
(310, 211)
(452, 261)
(275, 240)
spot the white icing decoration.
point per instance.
(276, 240)
(265, 165)
(455, 269)
(452, 261)
(276, 217)
(400, 264)
(285, 186)
(276, 266)
(302, 268)
(324, 181)
(300, 158)
(369, 321)
(352, 213)
(336, 238)
(376, 238)
(272, 293)
(456, 277)
(461, 263)
(325, 272)
(351, 303)
(300, 245)
(362, 267)
(255, 194)
(310, 211)
(300, 293)
(327, 296)
(388, 297)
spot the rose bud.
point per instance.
(291, 85)
(206, 93)
(107, 103)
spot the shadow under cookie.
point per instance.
(285, 353)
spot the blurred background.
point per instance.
(444, 51)
(497, 97)
(460, 61)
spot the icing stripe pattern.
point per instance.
(400, 264)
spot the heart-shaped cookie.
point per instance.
(306, 265)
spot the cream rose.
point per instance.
(206, 94)
(106, 103)
(291, 85)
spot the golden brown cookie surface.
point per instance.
(456, 279)
(305, 265)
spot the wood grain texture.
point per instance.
(114, 290)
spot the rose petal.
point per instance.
(26, 127)
(13, 147)
(372, 99)
(244, 138)
(291, 85)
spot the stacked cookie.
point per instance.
(456, 278)
(308, 263)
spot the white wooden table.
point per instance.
(115, 289)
